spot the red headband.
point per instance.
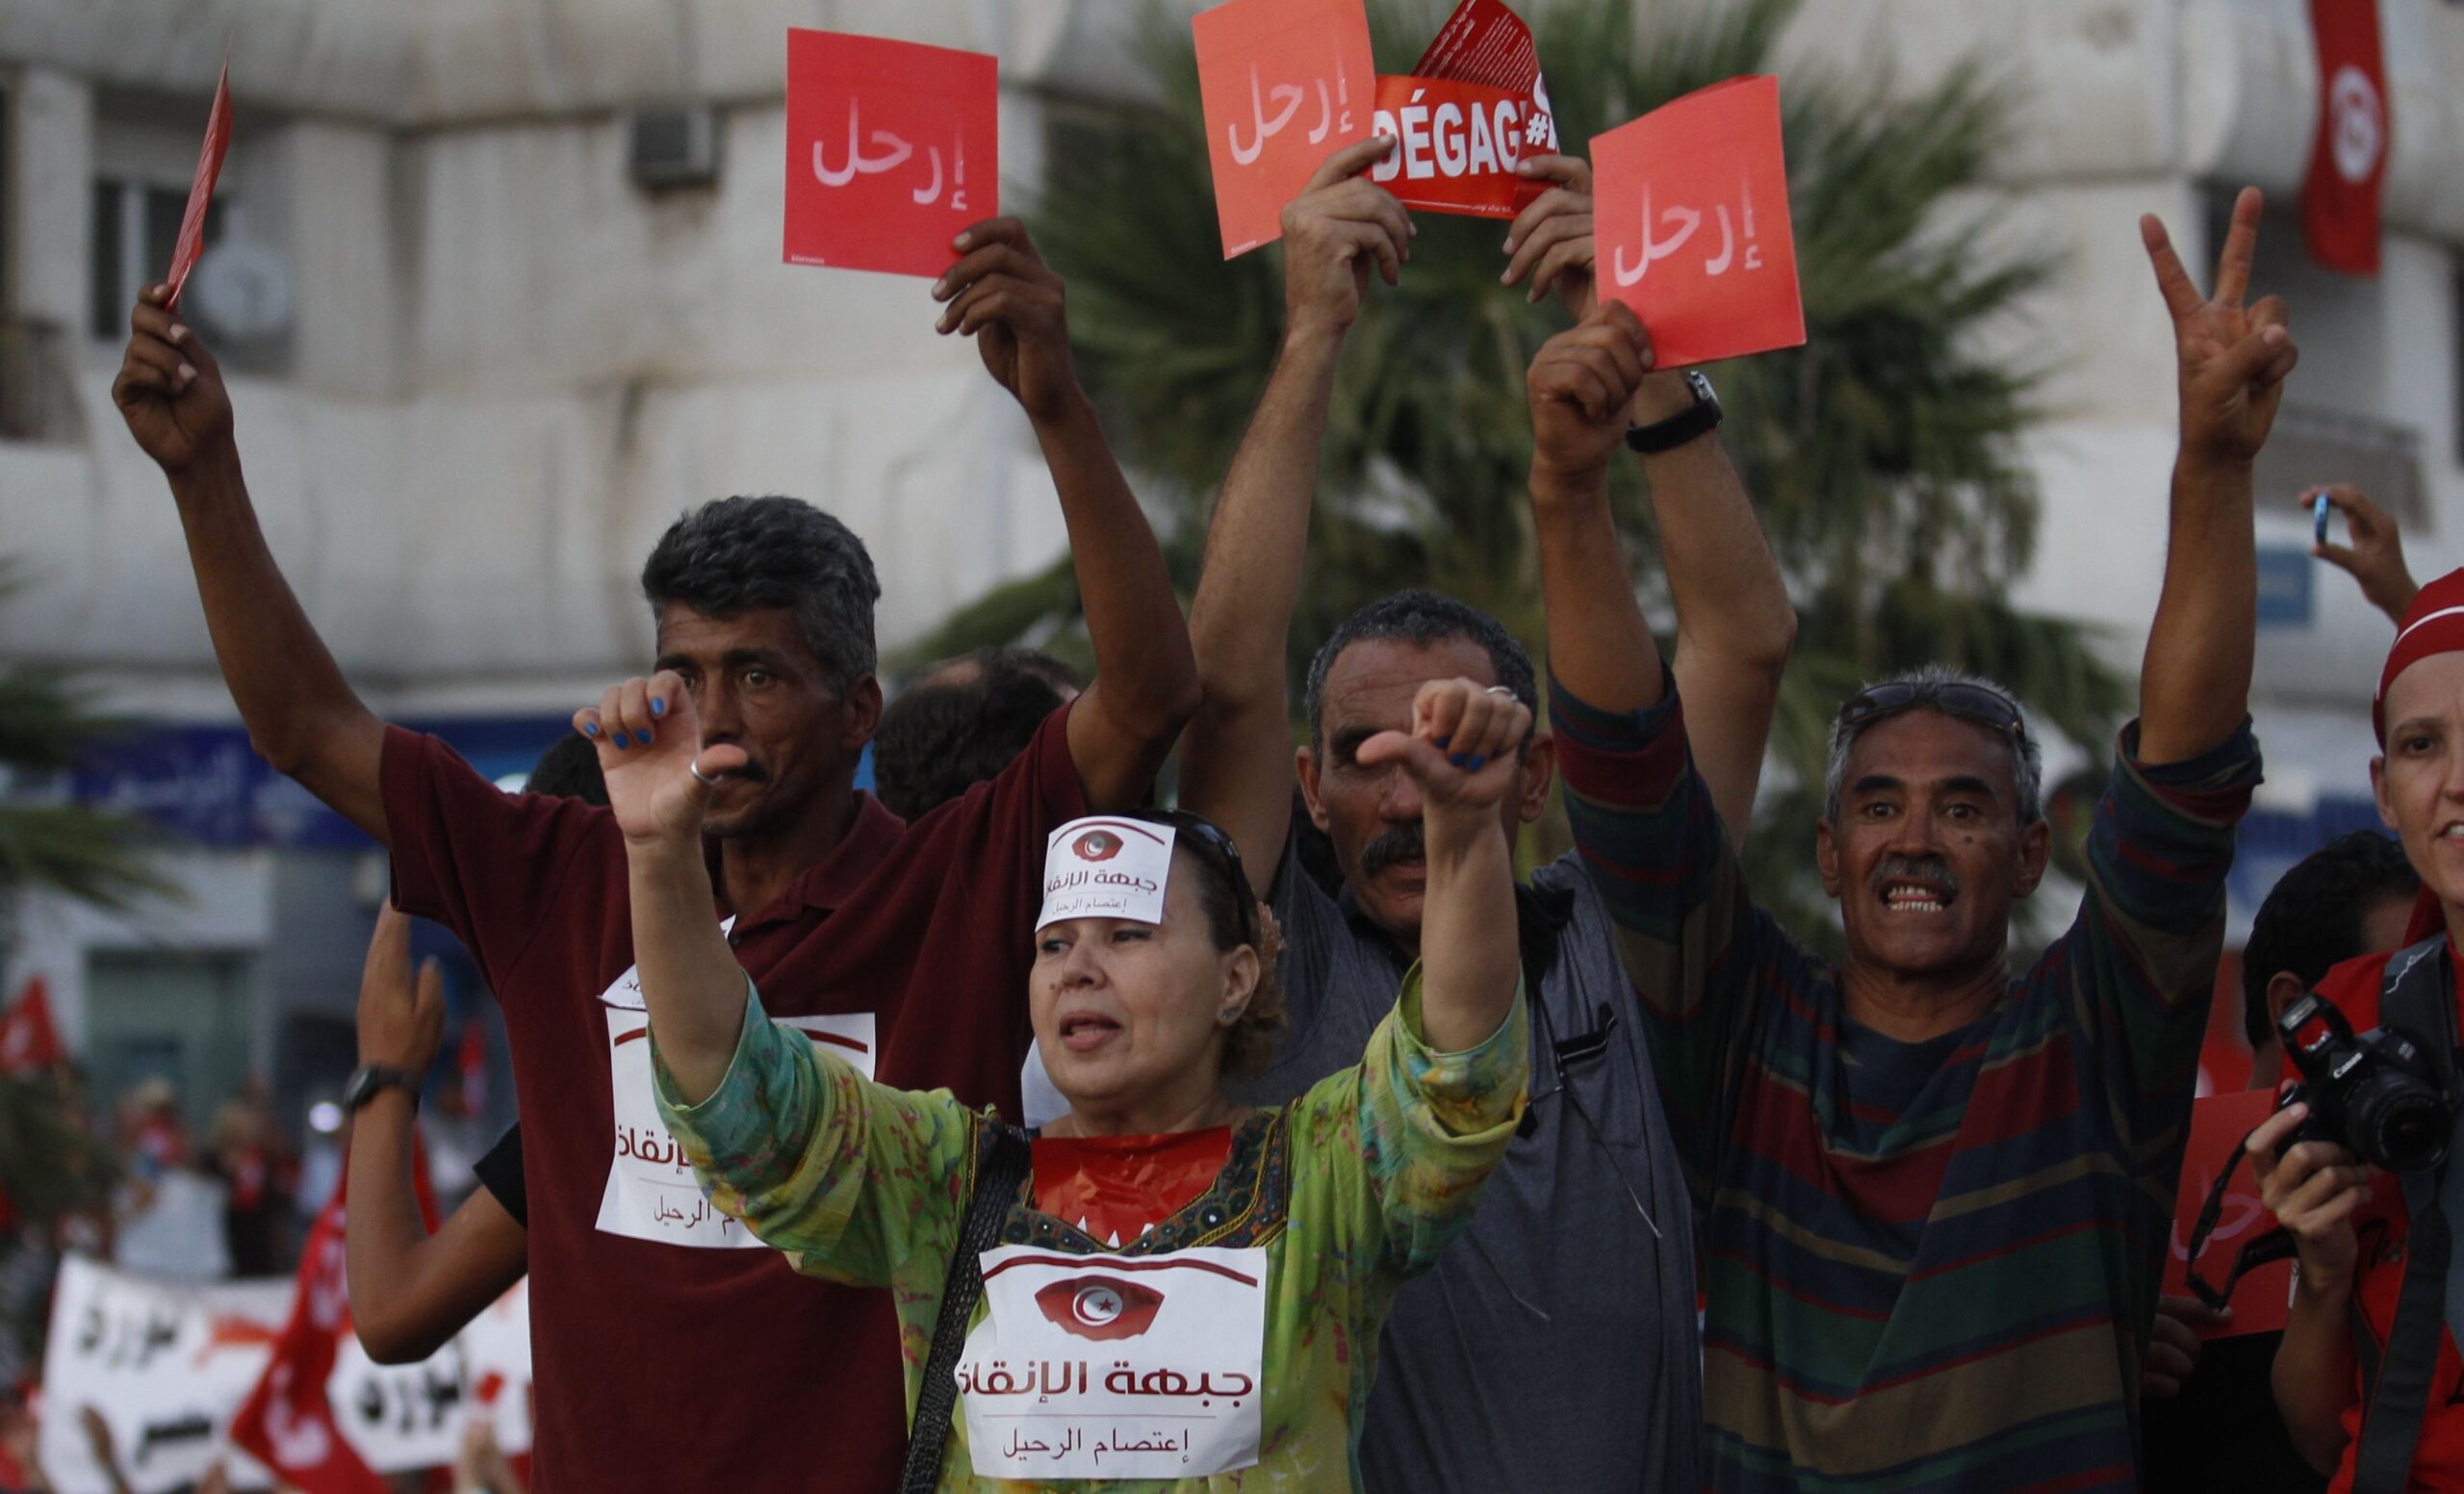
(2433, 625)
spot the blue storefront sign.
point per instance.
(2285, 581)
(205, 786)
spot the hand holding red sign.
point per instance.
(892, 147)
(1005, 297)
(1693, 224)
(1283, 82)
(209, 169)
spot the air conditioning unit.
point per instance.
(671, 146)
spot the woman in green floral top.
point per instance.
(1185, 1294)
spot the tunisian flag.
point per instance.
(287, 1423)
(2349, 162)
(28, 1042)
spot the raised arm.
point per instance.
(1580, 387)
(1734, 622)
(691, 985)
(1236, 767)
(301, 714)
(2194, 684)
(2375, 557)
(411, 1291)
(1005, 297)
(1463, 754)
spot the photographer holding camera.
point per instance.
(2358, 1168)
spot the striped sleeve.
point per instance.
(1692, 942)
(2140, 961)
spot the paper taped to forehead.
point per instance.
(1106, 867)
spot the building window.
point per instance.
(136, 226)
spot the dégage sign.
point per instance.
(1456, 145)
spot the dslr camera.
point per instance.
(2376, 1095)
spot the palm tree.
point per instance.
(1882, 454)
(52, 1164)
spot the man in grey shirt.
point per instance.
(1555, 1344)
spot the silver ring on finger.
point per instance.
(694, 767)
(1501, 690)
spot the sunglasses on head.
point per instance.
(1211, 840)
(1977, 703)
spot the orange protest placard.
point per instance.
(892, 147)
(190, 243)
(1455, 145)
(1691, 203)
(1285, 84)
(2263, 1298)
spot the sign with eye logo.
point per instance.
(1116, 1366)
(1105, 867)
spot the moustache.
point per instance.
(1932, 870)
(1397, 843)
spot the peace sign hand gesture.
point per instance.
(2234, 358)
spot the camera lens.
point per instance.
(2403, 1132)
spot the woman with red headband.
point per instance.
(1164, 1290)
(2369, 1378)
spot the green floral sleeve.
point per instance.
(850, 1177)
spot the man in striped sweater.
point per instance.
(1931, 1192)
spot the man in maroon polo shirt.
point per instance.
(906, 948)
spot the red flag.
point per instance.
(209, 166)
(287, 1423)
(2348, 161)
(28, 1042)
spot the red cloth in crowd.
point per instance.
(29, 1040)
(1113, 1187)
(662, 1365)
(2384, 1225)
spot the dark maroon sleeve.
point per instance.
(988, 847)
(487, 864)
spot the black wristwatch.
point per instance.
(369, 1078)
(1698, 419)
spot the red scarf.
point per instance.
(1116, 1188)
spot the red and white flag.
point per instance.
(28, 1042)
(288, 1423)
(2349, 162)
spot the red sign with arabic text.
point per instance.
(2263, 1299)
(1285, 84)
(1691, 203)
(191, 242)
(892, 147)
(1455, 145)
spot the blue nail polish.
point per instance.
(591, 730)
(658, 709)
(1477, 762)
(1442, 741)
(1459, 759)
(622, 740)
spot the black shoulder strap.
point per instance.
(996, 1187)
(2418, 995)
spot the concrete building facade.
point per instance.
(479, 362)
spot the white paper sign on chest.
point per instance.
(1114, 1366)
